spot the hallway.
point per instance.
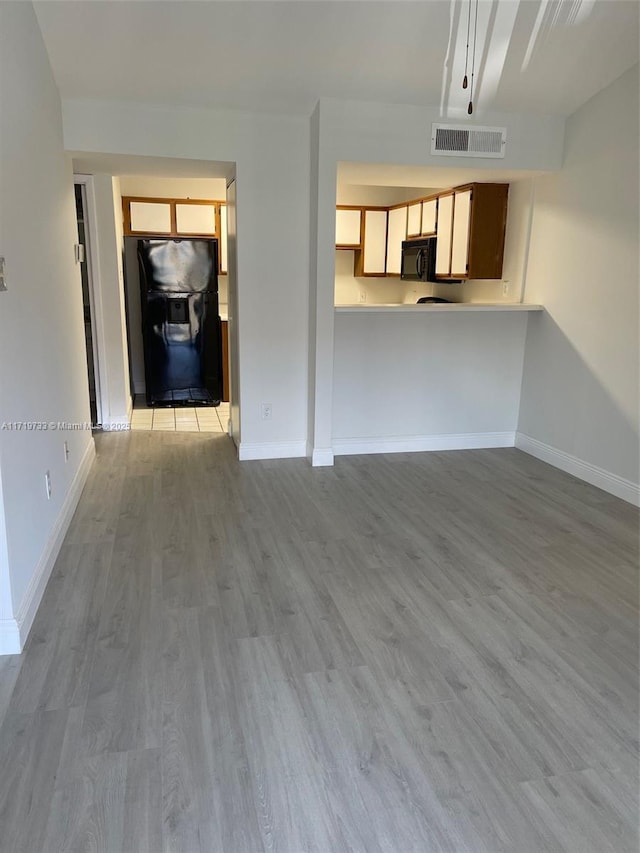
(409, 653)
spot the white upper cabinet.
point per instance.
(223, 239)
(443, 244)
(397, 232)
(150, 217)
(460, 238)
(414, 216)
(375, 242)
(196, 219)
(429, 210)
(348, 223)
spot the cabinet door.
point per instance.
(413, 219)
(429, 217)
(223, 239)
(443, 244)
(375, 242)
(150, 217)
(397, 232)
(460, 239)
(348, 228)
(196, 219)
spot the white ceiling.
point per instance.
(536, 56)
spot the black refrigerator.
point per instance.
(181, 328)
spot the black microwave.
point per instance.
(419, 260)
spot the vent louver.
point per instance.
(456, 141)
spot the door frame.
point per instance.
(95, 300)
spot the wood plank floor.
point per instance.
(401, 654)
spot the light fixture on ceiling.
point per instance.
(465, 80)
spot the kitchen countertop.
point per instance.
(432, 307)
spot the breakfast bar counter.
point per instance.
(435, 307)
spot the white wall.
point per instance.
(580, 385)
(419, 381)
(359, 194)
(271, 154)
(43, 368)
(148, 186)
(115, 385)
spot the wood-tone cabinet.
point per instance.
(429, 217)
(396, 234)
(196, 219)
(472, 220)
(414, 219)
(371, 260)
(177, 217)
(348, 227)
(469, 222)
(149, 217)
(443, 243)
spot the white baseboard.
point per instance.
(321, 457)
(605, 480)
(271, 450)
(14, 632)
(420, 443)
(9, 637)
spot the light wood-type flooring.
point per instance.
(404, 653)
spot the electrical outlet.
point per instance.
(47, 484)
(266, 410)
(362, 296)
(506, 287)
(66, 451)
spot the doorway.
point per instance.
(87, 303)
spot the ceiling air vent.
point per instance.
(453, 140)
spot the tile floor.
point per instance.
(180, 419)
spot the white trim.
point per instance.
(28, 608)
(9, 637)
(421, 443)
(322, 457)
(271, 450)
(596, 476)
